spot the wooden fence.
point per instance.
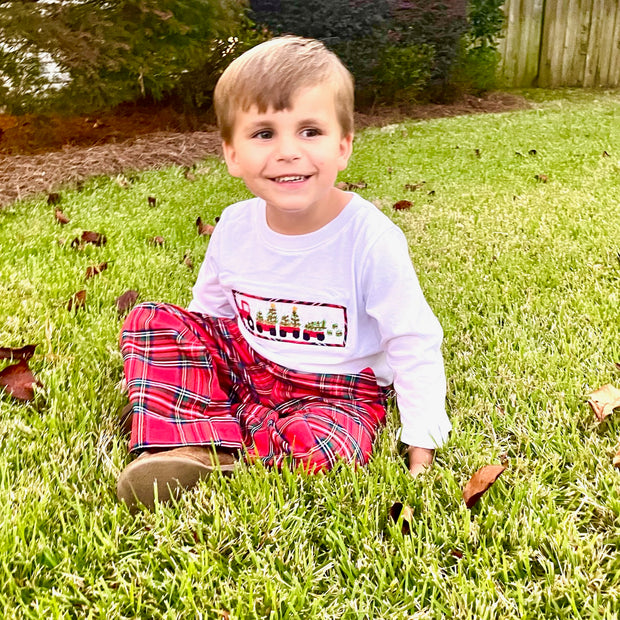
(553, 43)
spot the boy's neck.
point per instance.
(309, 222)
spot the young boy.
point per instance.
(305, 308)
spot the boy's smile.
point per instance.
(291, 159)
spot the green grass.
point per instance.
(525, 279)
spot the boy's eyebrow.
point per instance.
(266, 122)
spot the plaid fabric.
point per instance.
(193, 379)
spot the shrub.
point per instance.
(394, 48)
(479, 58)
(402, 72)
(102, 52)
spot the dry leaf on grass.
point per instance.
(157, 241)
(88, 236)
(480, 482)
(18, 380)
(412, 187)
(604, 400)
(204, 229)
(152, 201)
(61, 218)
(94, 270)
(126, 301)
(77, 301)
(402, 204)
(22, 353)
(398, 511)
(346, 186)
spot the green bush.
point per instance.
(103, 52)
(393, 48)
(477, 70)
(402, 72)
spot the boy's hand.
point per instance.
(419, 460)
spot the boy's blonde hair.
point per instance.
(269, 75)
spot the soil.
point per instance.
(41, 154)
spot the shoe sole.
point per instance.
(158, 478)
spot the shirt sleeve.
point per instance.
(411, 336)
(208, 295)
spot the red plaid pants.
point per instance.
(194, 380)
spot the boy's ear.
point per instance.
(346, 148)
(230, 157)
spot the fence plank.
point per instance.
(594, 44)
(511, 64)
(530, 42)
(570, 27)
(578, 61)
(548, 65)
(610, 72)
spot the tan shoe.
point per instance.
(162, 475)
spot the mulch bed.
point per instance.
(40, 156)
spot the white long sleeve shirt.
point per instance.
(337, 300)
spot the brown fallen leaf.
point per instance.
(480, 482)
(88, 236)
(126, 301)
(23, 353)
(616, 460)
(543, 178)
(402, 204)
(399, 510)
(605, 154)
(189, 175)
(412, 187)
(152, 201)
(604, 400)
(77, 301)
(61, 217)
(53, 198)
(347, 186)
(157, 240)
(477, 152)
(94, 270)
(532, 152)
(187, 259)
(204, 229)
(18, 380)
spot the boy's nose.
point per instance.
(287, 148)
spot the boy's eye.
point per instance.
(263, 134)
(310, 132)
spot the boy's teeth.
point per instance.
(289, 179)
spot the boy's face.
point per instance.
(291, 159)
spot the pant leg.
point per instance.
(314, 420)
(181, 370)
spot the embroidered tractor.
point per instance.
(246, 316)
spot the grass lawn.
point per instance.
(524, 276)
